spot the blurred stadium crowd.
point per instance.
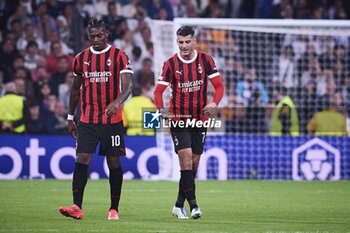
(38, 40)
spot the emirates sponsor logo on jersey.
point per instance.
(98, 77)
(190, 86)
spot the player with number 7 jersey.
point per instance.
(187, 74)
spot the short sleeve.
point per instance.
(212, 71)
(166, 75)
(77, 70)
(126, 64)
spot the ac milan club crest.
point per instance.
(199, 69)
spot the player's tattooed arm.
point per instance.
(126, 81)
(73, 101)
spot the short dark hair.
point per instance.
(185, 31)
(94, 23)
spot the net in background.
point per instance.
(262, 61)
(307, 61)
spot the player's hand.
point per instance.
(72, 129)
(210, 109)
(165, 113)
(111, 108)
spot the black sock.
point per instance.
(194, 183)
(187, 184)
(115, 182)
(80, 177)
(180, 197)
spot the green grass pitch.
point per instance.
(229, 206)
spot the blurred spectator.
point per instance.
(23, 83)
(43, 23)
(41, 63)
(337, 10)
(285, 75)
(31, 56)
(65, 88)
(63, 31)
(42, 79)
(142, 37)
(132, 113)
(233, 114)
(8, 53)
(119, 29)
(52, 59)
(27, 4)
(307, 104)
(318, 12)
(282, 9)
(112, 17)
(327, 122)
(144, 77)
(214, 10)
(29, 36)
(129, 9)
(75, 24)
(140, 12)
(5, 11)
(47, 115)
(312, 72)
(346, 94)
(54, 38)
(254, 96)
(232, 8)
(20, 15)
(53, 7)
(86, 10)
(35, 123)
(101, 7)
(303, 9)
(125, 43)
(284, 119)
(136, 58)
(59, 76)
(13, 111)
(339, 72)
(2, 86)
(61, 123)
(153, 7)
(251, 91)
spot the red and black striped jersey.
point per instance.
(188, 80)
(101, 72)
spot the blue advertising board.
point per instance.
(225, 157)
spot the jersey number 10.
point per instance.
(115, 140)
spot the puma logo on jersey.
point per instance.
(179, 72)
(87, 63)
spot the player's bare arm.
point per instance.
(126, 81)
(73, 101)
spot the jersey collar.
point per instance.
(102, 51)
(187, 61)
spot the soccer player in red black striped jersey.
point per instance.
(187, 73)
(99, 72)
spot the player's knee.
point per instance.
(83, 158)
(113, 162)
